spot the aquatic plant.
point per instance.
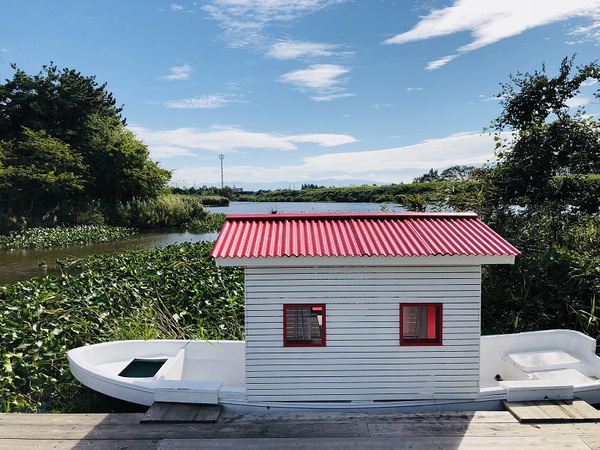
(63, 236)
(171, 292)
(211, 224)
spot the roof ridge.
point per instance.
(351, 215)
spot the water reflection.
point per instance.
(19, 265)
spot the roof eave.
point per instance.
(320, 261)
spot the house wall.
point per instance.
(363, 360)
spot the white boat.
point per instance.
(553, 364)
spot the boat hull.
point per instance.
(558, 364)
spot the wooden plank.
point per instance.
(157, 412)
(95, 444)
(270, 429)
(381, 443)
(583, 409)
(208, 414)
(165, 412)
(553, 411)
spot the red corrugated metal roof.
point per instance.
(363, 234)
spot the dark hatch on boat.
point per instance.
(142, 368)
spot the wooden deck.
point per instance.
(553, 411)
(304, 430)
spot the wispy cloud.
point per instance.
(178, 73)
(186, 141)
(388, 165)
(489, 22)
(323, 79)
(176, 7)
(330, 97)
(577, 102)
(414, 89)
(204, 102)
(284, 50)
(243, 21)
(433, 65)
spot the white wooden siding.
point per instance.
(363, 360)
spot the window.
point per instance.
(421, 324)
(303, 325)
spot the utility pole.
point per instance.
(221, 157)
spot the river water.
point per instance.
(18, 265)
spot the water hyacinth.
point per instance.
(171, 292)
(63, 236)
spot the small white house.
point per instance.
(361, 307)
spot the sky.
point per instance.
(290, 92)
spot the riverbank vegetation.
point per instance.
(61, 237)
(171, 292)
(67, 157)
(543, 197)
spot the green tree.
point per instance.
(38, 171)
(428, 177)
(457, 173)
(549, 141)
(74, 116)
(120, 166)
(59, 102)
(543, 195)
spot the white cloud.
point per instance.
(204, 102)
(176, 7)
(296, 49)
(321, 78)
(178, 73)
(577, 102)
(330, 97)
(324, 140)
(244, 20)
(433, 65)
(186, 141)
(489, 22)
(414, 89)
(391, 165)
(587, 33)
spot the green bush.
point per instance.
(211, 224)
(214, 200)
(165, 211)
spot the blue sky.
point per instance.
(300, 91)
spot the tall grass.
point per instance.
(211, 224)
(165, 211)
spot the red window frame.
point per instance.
(318, 309)
(434, 322)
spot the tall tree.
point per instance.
(543, 196)
(38, 171)
(120, 167)
(549, 141)
(75, 110)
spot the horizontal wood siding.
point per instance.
(363, 360)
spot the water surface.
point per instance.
(17, 265)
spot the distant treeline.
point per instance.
(451, 194)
